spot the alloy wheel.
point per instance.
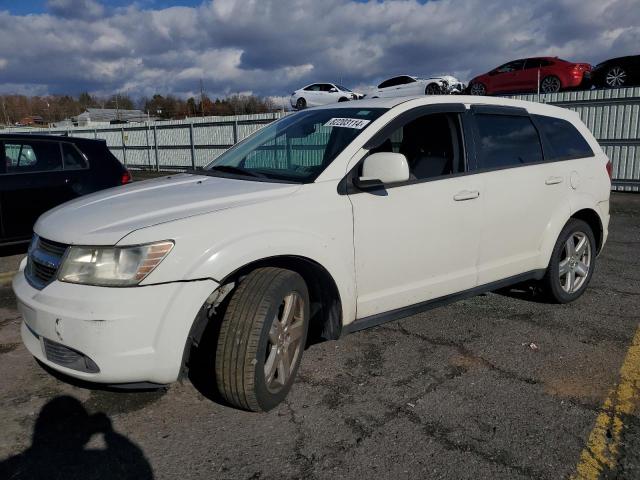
(478, 89)
(285, 342)
(550, 85)
(616, 77)
(433, 89)
(575, 262)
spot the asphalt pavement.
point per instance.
(500, 386)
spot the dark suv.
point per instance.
(43, 171)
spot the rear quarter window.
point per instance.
(506, 141)
(72, 158)
(563, 139)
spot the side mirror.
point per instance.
(333, 90)
(381, 169)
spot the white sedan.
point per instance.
(408, 85)
(321, 94)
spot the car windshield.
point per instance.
(296, 148)
(344, 89)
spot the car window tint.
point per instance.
(432, 145)
(564, 139)
(326, 87)
(505, 141)
(511, 66)
(389, 83)
(406, 80)
(313, 88)
(32, 156)
(72, 158)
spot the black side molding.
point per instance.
(380, 318)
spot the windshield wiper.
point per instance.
(237, 171)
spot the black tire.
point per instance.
(616, 77)
(433, 89)
(477, 88)
(244, 344)
(301, 104)
(343, 99)
(550, 84)
(552, 283)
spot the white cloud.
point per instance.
(271, 47)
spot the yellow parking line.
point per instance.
(6, 277)
(603, 446)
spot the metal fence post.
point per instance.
(124, 146)
(148, 146)
(95, 133)
(155, 145)
(235, 130)
(193, 147)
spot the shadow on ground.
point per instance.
(59, 447)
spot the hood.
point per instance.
(103, 218)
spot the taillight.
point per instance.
(126, 178)
(610, 169)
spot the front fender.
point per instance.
(316, 223)
(237, 253)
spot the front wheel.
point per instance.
(477, 88)
(262, 338)
(572, 262)
(301, 104)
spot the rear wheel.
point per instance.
(572, 262)
(301, 103)
(550, 84)
(477, 88)
(262, 338)
(616, 77)
(433, 89)
(343, 99)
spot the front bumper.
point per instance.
(135, 334)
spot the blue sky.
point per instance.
(272, 47)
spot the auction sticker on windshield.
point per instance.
(347, 123)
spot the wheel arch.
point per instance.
(326, 300)
(560, 220)
(591, 217)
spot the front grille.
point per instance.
(45, 257)
(54, 248)
(67, 357)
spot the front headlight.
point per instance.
(112, 266)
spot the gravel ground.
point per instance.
(454, 393)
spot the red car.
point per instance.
(522, 76)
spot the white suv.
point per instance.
(325, 222)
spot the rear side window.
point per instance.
(24, 156)
(72, 158)
(564, 140)
(506, 141)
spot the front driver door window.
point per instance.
(418, 241)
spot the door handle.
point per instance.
(466, 195)
(553, 180)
